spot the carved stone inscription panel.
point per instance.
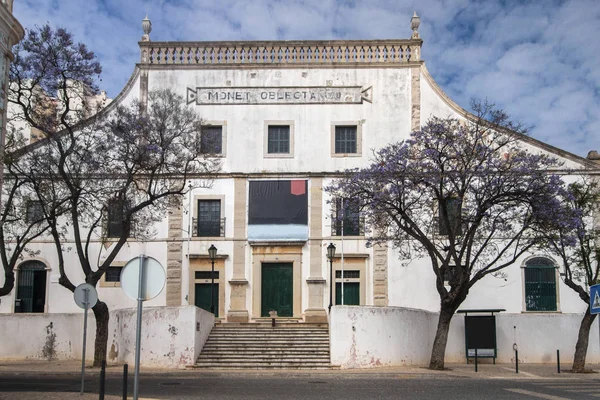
(277, 95)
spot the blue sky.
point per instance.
(537, 59)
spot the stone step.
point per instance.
(261, 346)
(260, 366)
(258, 352)
(271, 331)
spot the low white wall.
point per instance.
(45, 336)
(364, 337)
(168, 337)
(171, 336)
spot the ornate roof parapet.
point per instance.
(282, 53)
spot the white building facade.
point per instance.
(284, 118)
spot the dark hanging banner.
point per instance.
(278, 210)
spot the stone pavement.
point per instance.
(485, 371)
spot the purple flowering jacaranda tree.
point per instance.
(115, 169)
(577, 247)
(466, 194)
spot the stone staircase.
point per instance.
(261, 346)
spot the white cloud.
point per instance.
(538, 60)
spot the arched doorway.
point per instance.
(31, 287)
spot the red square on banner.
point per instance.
(298, 187)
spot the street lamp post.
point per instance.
(212, 253)
(330, 255)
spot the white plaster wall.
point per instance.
(411, 283)
(37, 336)
(386, 118)
(365, 337)
(172, 337)
(169, 335)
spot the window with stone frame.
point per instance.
(453, 207)
(117, 210)
(211, 140)
(346, 140)
(34, 211)
(278, 140)
(209, 218)
(346, 218)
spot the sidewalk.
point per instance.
(485, 371)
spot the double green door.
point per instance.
(351, 293)
(277, 289)
(202, 297)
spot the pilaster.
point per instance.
(238, 311)
(316, 283)
(174, 252)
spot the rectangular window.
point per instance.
(345, 140)
(211, 141)
(348, 274)
(346, 219)
(278, 141)
(453, 207)
(34, 211)
(113, 274)
(116, 216)
(205, 275)
(209, 218)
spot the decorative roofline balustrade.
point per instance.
(288, 53)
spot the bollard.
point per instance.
(558, 360)
(517, 361)
(125, 381)
(475, 359)
(102, 380)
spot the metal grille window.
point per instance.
(116, 216)
(209, 218)
(211, 141)
(278, 139)
(345, 139)
(113, 274)
(453, 207)
(34, 211)
(346, 218)
(540, 285)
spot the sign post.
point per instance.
(595, 303)
(142, 278)
(86, 297)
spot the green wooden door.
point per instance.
(351, 293)
(202, 297)
(277, 289)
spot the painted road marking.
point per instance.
(523, 373)
(536, 394)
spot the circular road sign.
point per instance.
(79, 295)
(154, 278)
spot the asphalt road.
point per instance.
(340, 386)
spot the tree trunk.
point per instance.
(9, 282)
(582, 341)
(438, 351)
(100, 344)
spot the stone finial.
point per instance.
(147, 27)
(415, 21)
(594, 156)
